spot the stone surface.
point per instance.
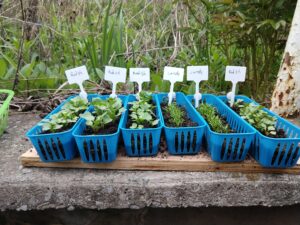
(41, 188)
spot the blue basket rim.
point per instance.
(273, 114)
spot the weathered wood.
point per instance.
(162, 162)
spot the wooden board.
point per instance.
(162, 162)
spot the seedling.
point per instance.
(142, 112)
(257, 117)
(212, 117)
(105, 112)
(176, 114)
(65, 118)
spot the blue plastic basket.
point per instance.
(141, 142)
(183, 140)
(227, 147)
(97, 148)
(55, 147)
(275, 152)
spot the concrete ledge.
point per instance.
(40, 188)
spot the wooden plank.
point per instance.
(163, 162)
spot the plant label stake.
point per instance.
(234, 74)
(197, 74)
(139, 75)
(77, 76)
(173, 74)
(115, 75)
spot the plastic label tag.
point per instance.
(235, 73)
(77, 76)
(197, 74)
(115, 75)
(173, 74)
(139, 75)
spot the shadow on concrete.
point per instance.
(186, 216)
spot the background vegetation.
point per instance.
(40, 39)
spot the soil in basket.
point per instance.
(187, 121)
(279, 133)
(109, 129)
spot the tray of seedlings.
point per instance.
(277, 140)
(97, 135)
(52, 137)
(228, 137)
(141, 127)
(184, 128)
(5, 96)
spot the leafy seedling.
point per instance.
(257, 117)
(176, 114)
(105, 112)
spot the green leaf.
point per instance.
(3, 68)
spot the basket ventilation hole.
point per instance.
(105, 150)
(176, 142)
(99, 150)
(230, 148)
(282, 154)
(275, 154)
(54, 149)
(42, 150)
(242, 148)
(86, 151)
(61, 148)
(150, 143)
(295, 155)
(194, 141)
(49, 150)
(288, 156)
(145, 143)
(132, 143)
(92, 150)
(223, 148)
(182, 141)
(236, 148)
(188, 144)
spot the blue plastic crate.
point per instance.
(97, 148)
(141, 142)
(55, 147)
(275, 152)
(227, 147)
(183, 140)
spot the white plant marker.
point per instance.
(139, 75)
(234, 74)
(197, 74)
(115, 75)
(173, 74)
(77, 76)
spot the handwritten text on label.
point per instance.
(115, 74)
(197, 73)
(235, 73)
(139, 74)
(77, 75)
(173, 74)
